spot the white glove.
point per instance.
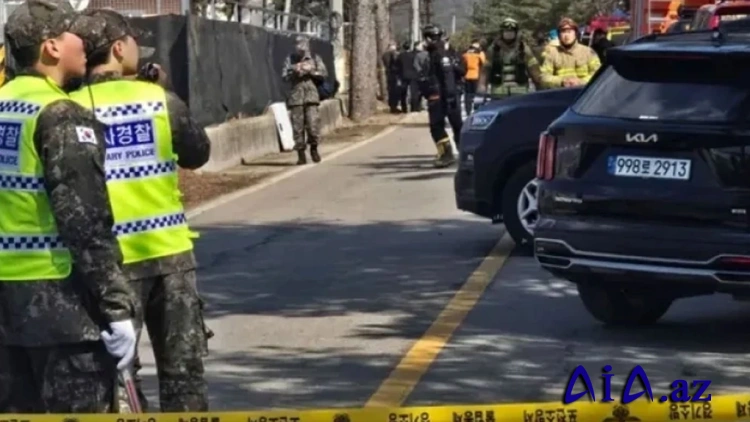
(120, 342)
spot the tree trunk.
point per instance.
(364, 62)
(384, 37)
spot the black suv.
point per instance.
(645, 180)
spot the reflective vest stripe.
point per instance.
(19, 107)
(148, 224)
(41, 242)
(139, 172)
(144, 109)
(30, 243)
(21, 183)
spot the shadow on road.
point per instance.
(522, 342)
(421, 166)
(315, 314)
(297, 306)
(327, 269)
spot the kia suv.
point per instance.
(645, 180)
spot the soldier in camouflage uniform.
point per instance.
(510, 63)
(569, 63)
(57, 304)
(170, 304)
(304, 71)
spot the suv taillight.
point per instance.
(545, 159)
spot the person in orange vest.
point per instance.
(474, 60)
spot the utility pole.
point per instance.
(415, 21)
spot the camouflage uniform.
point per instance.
(51, 356)
(303, 100)
(169, 301)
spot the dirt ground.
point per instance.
(198, 188)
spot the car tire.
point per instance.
(511, 196)
(620, 306)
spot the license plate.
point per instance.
(655, 168)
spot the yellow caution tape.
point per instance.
(727, 408)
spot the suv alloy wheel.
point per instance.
(520, 211)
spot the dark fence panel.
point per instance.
(168, 35)
(224, 69)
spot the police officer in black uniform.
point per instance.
(440, 84)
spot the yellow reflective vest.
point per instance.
(30, 248)
(141, 168)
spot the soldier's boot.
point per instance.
(301, 158)
(314, 154)
(445, 155)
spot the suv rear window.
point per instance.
(665, 88)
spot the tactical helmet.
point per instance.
(432, 32)
(509, 24)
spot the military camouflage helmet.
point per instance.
(113, 27)
(509, 24)
(35, 21)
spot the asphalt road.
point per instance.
(319, 285)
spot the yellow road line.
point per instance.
(396, 388)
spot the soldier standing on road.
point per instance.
(570, 63)
(408, 76)
(393, 78)
(61, 287)
(150, 133)
(441, 82)
(304, 71)
(510, 63)
(421, 66)
(415, 95)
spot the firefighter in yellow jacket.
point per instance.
(570, 63)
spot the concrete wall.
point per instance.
(247, 139)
